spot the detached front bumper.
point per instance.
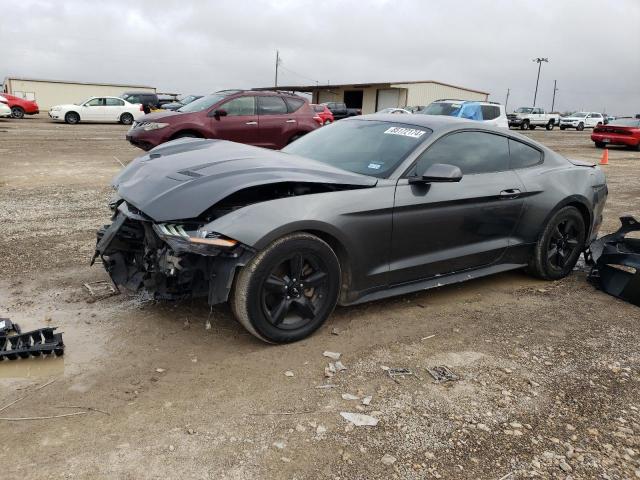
(166, 261)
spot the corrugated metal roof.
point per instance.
(310, 88)
(44, 80)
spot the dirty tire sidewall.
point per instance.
(539, 265)
(17, 112)
(246, 300)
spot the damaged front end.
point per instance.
(168, 260)
(616, 262)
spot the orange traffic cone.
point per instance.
(605, 157)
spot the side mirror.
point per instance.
(218, 113)
(438, 173)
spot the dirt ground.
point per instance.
(549, 371)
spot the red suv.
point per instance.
(21, 107)
(260, 118)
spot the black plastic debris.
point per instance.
(7, 326)
(42, 341)
(442, 374)
(616, 262)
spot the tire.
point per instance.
(17, 112)
(185, 135)
(550, 125)
(600, 145)
(72, 118)
(295, 312)
(126, 119)
(563, 128)
(580, 127)
(524, 125)
(559, 245)
(532, 127)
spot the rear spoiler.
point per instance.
(580, 163)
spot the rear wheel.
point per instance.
(563, 128)
(126, 119)
(559, 246)
(288, 290)
(600, 144)
(532, 127)
(17, 112)
(580, 127)
(72, 118)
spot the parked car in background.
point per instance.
(608, 118)
(340, 110)
(364, 209)
(581, 120)
(98, 109)
(323, 112)
(394, 110)
(261, 118)
(416, 108)
(5, 111)
(490, 113)
(187, 99)
(149, 101)
(21, 106)
(623, 131)
(527, 118)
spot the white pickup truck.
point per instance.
(531, 117)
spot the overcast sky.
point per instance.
(202, 46)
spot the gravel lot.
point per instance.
(548, 388)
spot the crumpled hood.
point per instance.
(181, 179)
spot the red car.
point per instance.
(622, 131)
(325, 115)
(260, 118)
(21, 107)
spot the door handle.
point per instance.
(290, 121)
(510, 193)
(251, 123)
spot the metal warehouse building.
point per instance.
(55, 92)
(371, 97)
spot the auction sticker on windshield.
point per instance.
(405, 132)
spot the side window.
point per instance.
(293, 104)
(114, 102)
(472, 152)
(133, 99)
(271, 106)
(240, 106)
(490, 112)
(95, 102)
(523, 156)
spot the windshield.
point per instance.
(203, 103)
(442, 108)
(579, 114)
(625, 122)
(524, 110)
(368, 147)
(187, 99)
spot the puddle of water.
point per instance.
(35, 367)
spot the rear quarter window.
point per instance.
(523, 156)
(293, 104)
(490, 112)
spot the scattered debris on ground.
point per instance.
(442, 374)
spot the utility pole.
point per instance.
(277, 65)
(507, 99)
(553, 102)
(539, 62)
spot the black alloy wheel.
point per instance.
(565, 240)
(17, 112)
(126, 119)
(72, 118)
(580, 127)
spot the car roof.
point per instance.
(432, 122)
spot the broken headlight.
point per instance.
(182, 239)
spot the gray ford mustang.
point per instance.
(366, 208)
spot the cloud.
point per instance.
(204, 46)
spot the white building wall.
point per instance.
(425, 93)
(48, 94)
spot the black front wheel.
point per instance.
(288, 290)
(559, 246)
(550, 125)
(580, 127)
(17, 112)
(72, 118)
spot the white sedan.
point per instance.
(98, 109)
(5, 111)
